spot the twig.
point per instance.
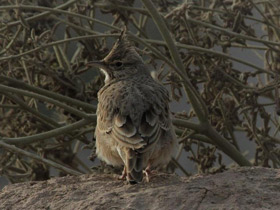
(70, 109)
(52, 133)
(17, 150)
(20, 84)
(196, 101)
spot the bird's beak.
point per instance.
(102, 66)
(99, 64)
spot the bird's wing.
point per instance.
(139, 137)
(105, 116)
(140, 117)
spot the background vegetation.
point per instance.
(48, 96)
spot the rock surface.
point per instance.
(242, 188)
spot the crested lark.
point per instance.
(134, 126)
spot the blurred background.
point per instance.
(229, 81)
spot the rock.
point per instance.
(242, 188)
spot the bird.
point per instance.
(134, 127)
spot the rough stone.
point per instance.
(241, 188)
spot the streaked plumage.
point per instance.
(133, 128)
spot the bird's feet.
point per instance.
(124, 175)
(149, 173)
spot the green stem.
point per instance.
(17, 150)
(224, 11)
(49, 122)
(267, 20)
(225, 146)
(35, 17)
(196, 101)
(208, 25)
(113, 6)
(49, 134)
(176, 163)
(49, 11)
(70, 109)
(41, 117)
(7, 47)
(212, 52)
(56, 43)
(66, 99)
(187, 124)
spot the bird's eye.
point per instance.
(118, 64)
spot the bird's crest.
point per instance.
(122, 49)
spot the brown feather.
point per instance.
(134, 142)
(146, 130)
(151, 118)
(133, 120)
(120, 120)
(132, 167)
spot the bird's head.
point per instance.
(122, 61)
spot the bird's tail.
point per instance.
(134, 166)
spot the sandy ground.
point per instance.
(243, 188)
